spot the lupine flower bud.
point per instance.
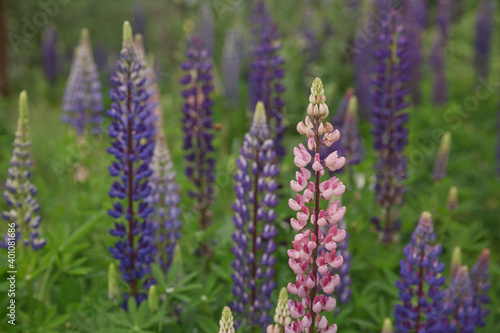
(113, 288)
(459, 313)
(387, 327)
(484, 30)
(456, 260)
(226, 322)
(132, 132)
(389, 119)
(254, 234)
(198, 126)
(481, 285)
(20, 193)
(282, 314)
(267, 73)
(442, 157)
(314, 282)
(82, 99)
(452, 202)
(153, 299)
(421, 280)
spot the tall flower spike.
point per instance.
(481, 285)
(20, 193)
(484, 30)
(226, 322)
(231, 66)
(267, 72)
(165, 199)
(132, 132)
(452, 202)
(421, 280)
(82, 99)
(389, 118)
(439, 172)
(438, 54)
(314, 282)
(50, 58)
(459, 313)
(255, 231)
(198, 126)
(282, 314)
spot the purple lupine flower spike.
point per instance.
(481, 285)
(49, 54)
(82, 99)
(231, 66)
(439, 172)
(132, 133)
(438, 54)
(421, 280)
(165, 199)
(416, 18)
(459, 313)
(484, 31)
(254, 244)
(267, 72)
(20, 194)
(207, 26)
(198, 126)
(389, 119)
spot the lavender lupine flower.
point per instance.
(231, 66)
(254, 244)
(267, 72)
(442, 157)
(363, 63)
(226, 322)
(23, 209)
(481, 285)
(82, 99)
(49, 54)
(132, 145)
(281, 315)
(165, 199)
(484, 30)
(416, 18)
(421, 280)
(438, 54)
(389, 119)
(314, 282)
(459, 314)
(206, 28)
(198, 126)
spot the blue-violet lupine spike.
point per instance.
(267, 73)
(389, 117)
(438, 54)
(254, 217)
(206, 28)
(49, 54)
(231, 66)
(481, 285)
(165, 199)
(198, 126)
(421, 280)
(484, 31)
(459, 313)
(20, 194)
(82, 99)
(132, 145)
(444, 17)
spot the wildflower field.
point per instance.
(250, 166)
